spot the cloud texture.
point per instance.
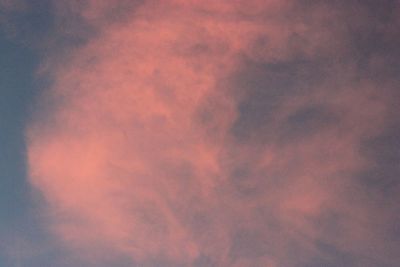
(222, 133)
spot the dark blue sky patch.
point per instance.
(372, 41)
(383, 175)
(330, 223)
(31, 23)
(264, 87)
(16, 91)
(306, 122)
(331, 256)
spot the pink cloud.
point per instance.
(138, 156)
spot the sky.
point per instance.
(199, 133)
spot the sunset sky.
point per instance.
(199, 133)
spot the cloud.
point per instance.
(213, 133)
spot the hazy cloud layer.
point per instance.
(222, 133)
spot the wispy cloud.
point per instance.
(218, 133)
